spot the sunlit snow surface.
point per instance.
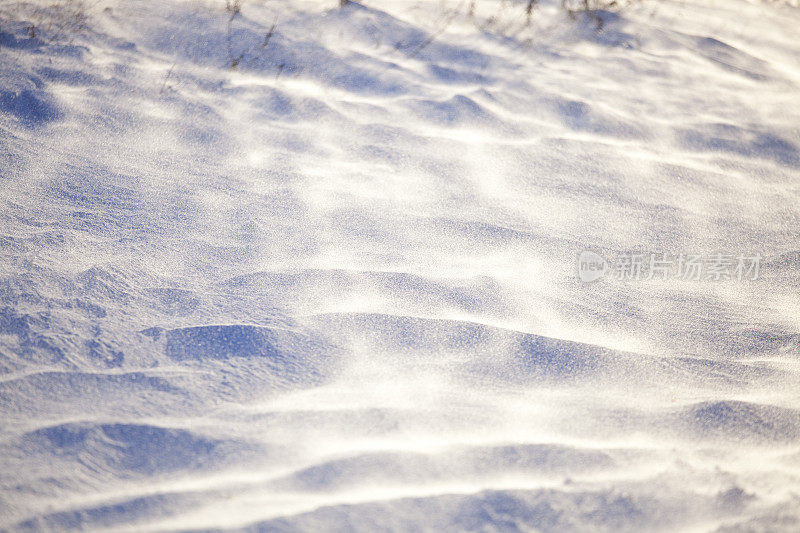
(336, 288)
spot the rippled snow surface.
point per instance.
(335, 288)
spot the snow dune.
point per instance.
(335, 288)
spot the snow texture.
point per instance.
(302, 268)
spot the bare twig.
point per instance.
(166, 78)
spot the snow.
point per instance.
(335, 287)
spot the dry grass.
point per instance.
(52, 20)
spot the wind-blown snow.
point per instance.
(335, 288)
